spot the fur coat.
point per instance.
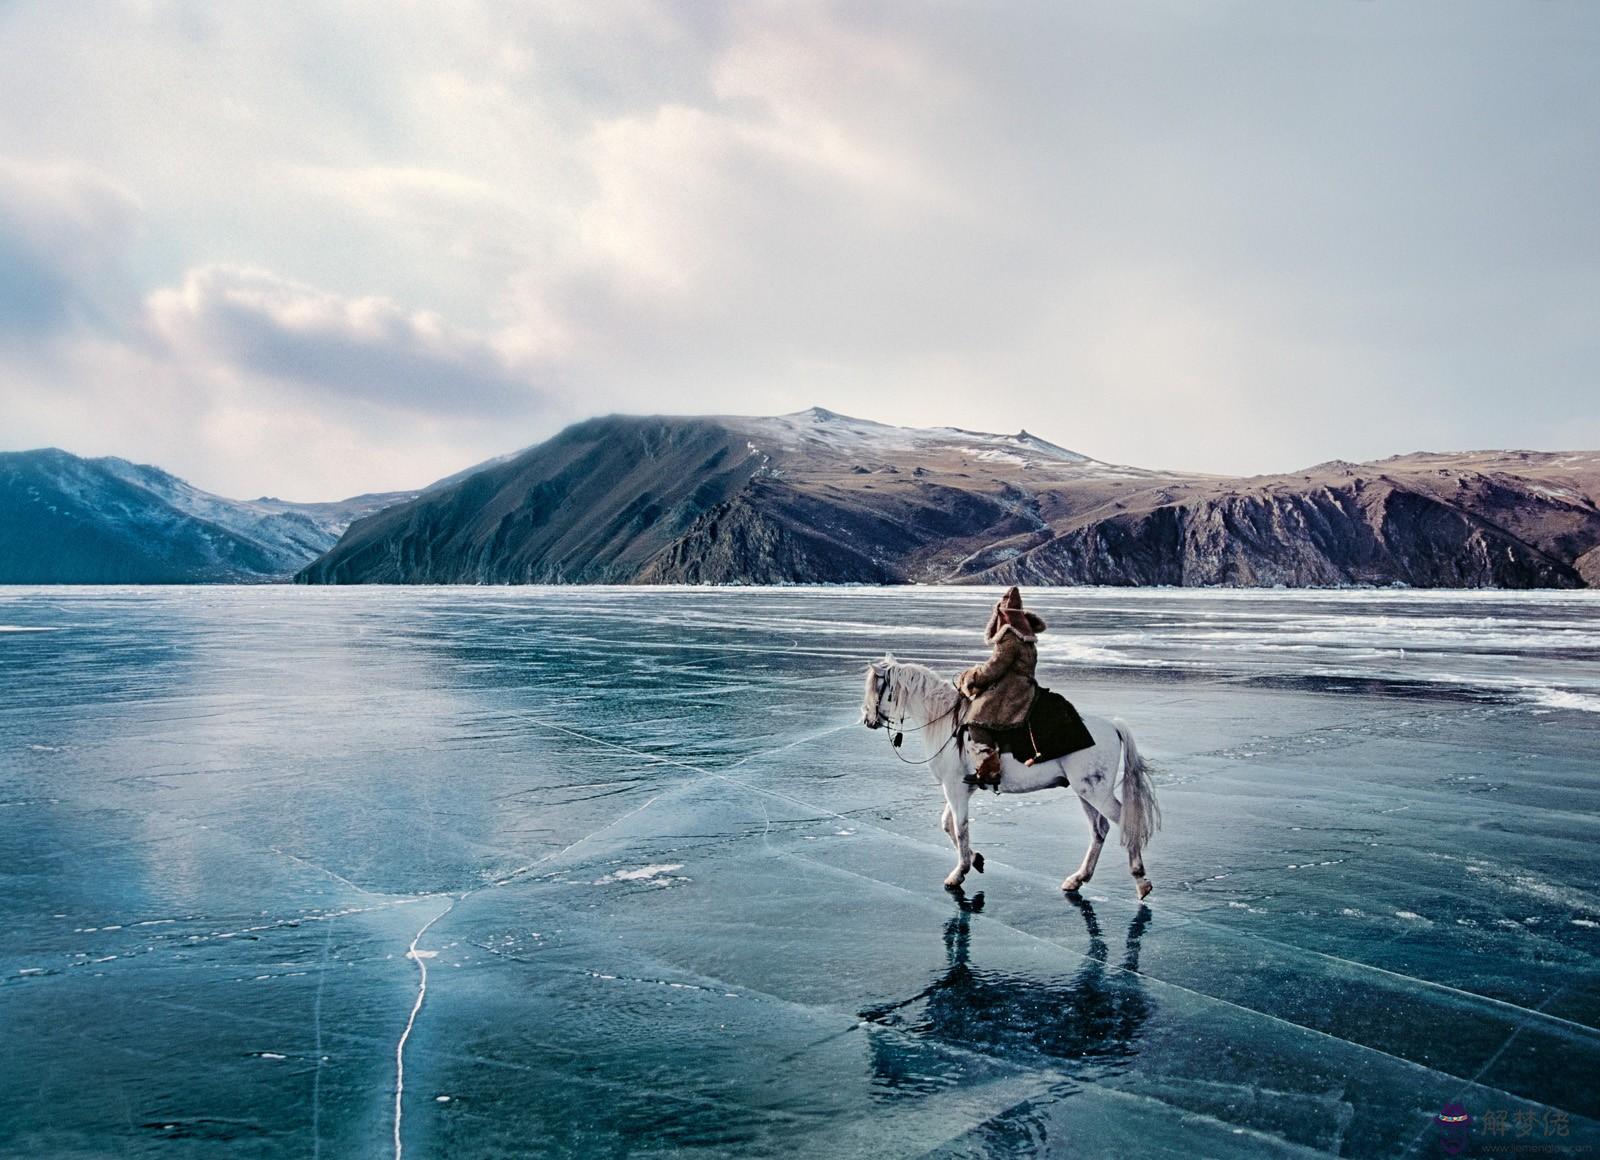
(1002, 687)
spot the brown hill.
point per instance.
(818, 497)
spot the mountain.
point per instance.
(817, 497)
(68, 520)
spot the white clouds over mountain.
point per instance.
(367, 349)
(360, 245)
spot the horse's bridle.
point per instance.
(880, 718)
(896, 724)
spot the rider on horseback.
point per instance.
(1002, 688)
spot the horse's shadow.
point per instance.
(1084, 1023)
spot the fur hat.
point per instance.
(1009, 615)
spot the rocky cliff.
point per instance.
(818, 498)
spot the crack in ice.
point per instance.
(316, 1018)
(400, 1047)
(421, 957)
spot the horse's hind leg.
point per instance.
(1136, 866)
(1099, 827)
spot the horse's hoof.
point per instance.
(977, 863)
(953, 882)
(1071, 885)
(1144, 890)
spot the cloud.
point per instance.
(789, 218)
(365, 349)
(238, 377)
(64, 232)
(229, 429)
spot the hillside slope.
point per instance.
(69, 520)
(821, 498)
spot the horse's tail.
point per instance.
(1141, 813)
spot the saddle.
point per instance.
(1053, 729)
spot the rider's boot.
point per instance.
(987, 775)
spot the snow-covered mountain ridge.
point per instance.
(820, 497)
(823, 434)
(66, 519)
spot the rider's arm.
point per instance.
(980, 677)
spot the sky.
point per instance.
(315, 249)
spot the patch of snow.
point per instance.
(819, 430)
(994, 455)
(1564, 494)
(642, 874)
(1564, 699)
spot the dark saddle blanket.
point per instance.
(1053, 729)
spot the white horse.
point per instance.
(1110, 777)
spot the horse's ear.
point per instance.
(888, 659)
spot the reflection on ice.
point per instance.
(1084, 1024)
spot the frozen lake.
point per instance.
(665, 894)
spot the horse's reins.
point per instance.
(897, 732)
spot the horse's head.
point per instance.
(878, 684)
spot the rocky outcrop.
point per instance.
(745, 541)
(1327, 537)
(1123, 549)
(1588, 567)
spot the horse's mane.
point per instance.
(939, 693)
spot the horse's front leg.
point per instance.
(1099, 827)
(947, 823)
(956, 811)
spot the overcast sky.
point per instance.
(312, 249)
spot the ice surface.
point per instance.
(615, 871)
